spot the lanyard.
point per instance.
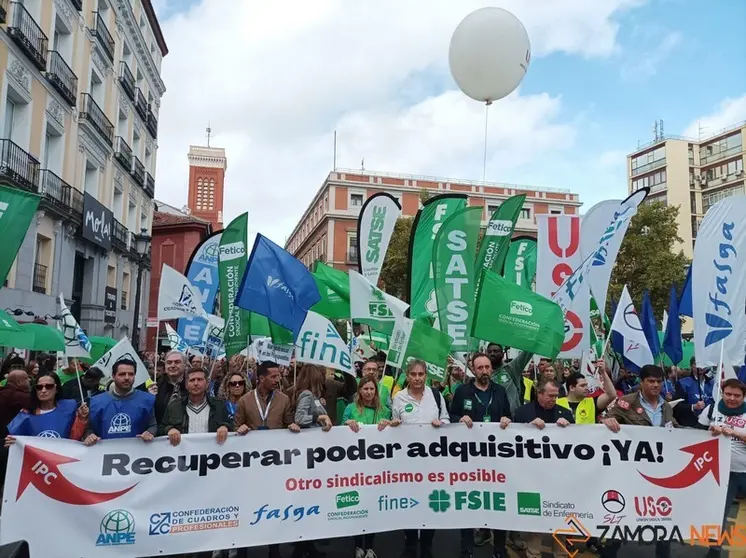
(265, 414)
(231, 408)
(489, 403)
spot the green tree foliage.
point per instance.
(395, 271)
(649, 259)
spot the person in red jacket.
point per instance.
(14, 396)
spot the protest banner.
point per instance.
(124, 498)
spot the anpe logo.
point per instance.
(120, 424)
(529, 503)
(650, 509)
(613, 501)
(116, 528)
(440, 500)
(348, 499)
(521, 308)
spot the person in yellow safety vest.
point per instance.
(528, 385)
(585, 409)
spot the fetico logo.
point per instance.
(116, 528)
(348, 499)
(440, 501)
(529, 503)
(718, 327)
(499, 227)
(520, 308)
(232, 251)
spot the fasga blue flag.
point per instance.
(649, 325)
(277, 285)
(672, 345)
(685, 302)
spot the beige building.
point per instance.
(692, 174)
(80, 92)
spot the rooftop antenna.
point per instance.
(209, 134)
(660, 129)
(362, 164)
(700, 130)
(655, 131)
(335, 150)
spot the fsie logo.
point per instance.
(718, 327)
(116, 528)
(521, 308)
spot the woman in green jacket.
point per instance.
(366, 409)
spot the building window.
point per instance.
(708, 200)
(525, 213)
(41, 261)
(722, 148)
(125, 290)
(10, 114)
(490, 210)
(554, 210)
(356, 200)
(650, 181)
(649, 161)
(352, 247)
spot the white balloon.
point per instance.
(489, 54)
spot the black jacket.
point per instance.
(177, 417)
(530, 411)
(466, 403)
(71, 390)
(162, 399)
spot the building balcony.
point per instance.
(101, 32)
(62, 77)
(119, 236)
(28, 36)
(141, 105)
(132, 243)
(149, 185)
(725, 153)
(138, 171)
(123, 153)
(93, 114)
(123, 302)
(18, 166)
(642, 169)
(60, 198)
(152, 124)
(40, 279)
(127, 80)
(3, 11)
(78, 4)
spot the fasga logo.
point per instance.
(290, 512)
(521, 308)
(718, 327)
(117, 528)
(275, 283)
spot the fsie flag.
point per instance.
(718, 285)
(374, 229)
(202, 273)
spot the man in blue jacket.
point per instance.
(123, 411)
(696, 391)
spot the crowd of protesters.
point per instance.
(186, 397)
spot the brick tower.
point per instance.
(207, 166)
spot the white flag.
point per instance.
(123, 349)
(665, 320)
(374, 229)
(264, 350)
(718, 284)
(77, 344)
(175, 340)
(214, 333)
(371, 306)
(593, 226)
(627, 324)
(177, 298)
(319, 343)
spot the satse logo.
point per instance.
(718, 327)
(378, 220)
(521, 308)
(275, 283)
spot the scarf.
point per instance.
(728, 412)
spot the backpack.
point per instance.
(438, 401)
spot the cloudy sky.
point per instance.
(276, 78)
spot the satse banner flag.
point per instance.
(124, 498)
(718, 284)
(374, 229)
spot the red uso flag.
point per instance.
(558, 254)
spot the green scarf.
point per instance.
(728, 412)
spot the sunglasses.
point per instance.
(42, 387)
(236, 384)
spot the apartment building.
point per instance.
(693, 174)
(328, 229)
(79, 97)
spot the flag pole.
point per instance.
(80, 384)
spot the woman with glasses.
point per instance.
(233, 387)
(49, 416)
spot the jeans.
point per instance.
(498, 542)
(364, 541)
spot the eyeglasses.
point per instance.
(42, 387)
(236, 384)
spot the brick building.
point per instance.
(327, 230)
(207, 166)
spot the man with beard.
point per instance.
(510, 376)
(481, 401)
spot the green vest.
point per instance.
(368, 415)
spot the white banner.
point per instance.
(375, 227)
(124, 498)
(718, 284)
(177, 298)
(371, 304)
(319, 343)
(77, 344)
(627, 324)
(123, 349)
(264, 349)
(557, 255)
(175, 340)
(593, 226)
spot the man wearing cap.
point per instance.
(91, 383)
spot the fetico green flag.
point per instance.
(520, 263)
(514, 316)
(453, 267)
(421, 284)
(231, 267)
(497, 237)
(17, 208)
(334, 288)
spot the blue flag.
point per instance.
(672, 337)
(685, 302)
(649, 325)
(277, 285)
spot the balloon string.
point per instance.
(486, 120)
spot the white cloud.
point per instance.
(275, 79)
(728, 113)
(644, 63)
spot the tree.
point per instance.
(395, 271)
(648, 258)
(425, 195)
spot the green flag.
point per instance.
(17, 208)
(508, 314)
(453, 269)
(260, 326)
(417, 339)
(421, 285)
(231, 267)
(497, 237)
(334, 288)
(520, 262)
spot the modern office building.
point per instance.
(79, 97)
(328, 229)
(207, 166)
(692, 174)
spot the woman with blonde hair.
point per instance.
(232, 388)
